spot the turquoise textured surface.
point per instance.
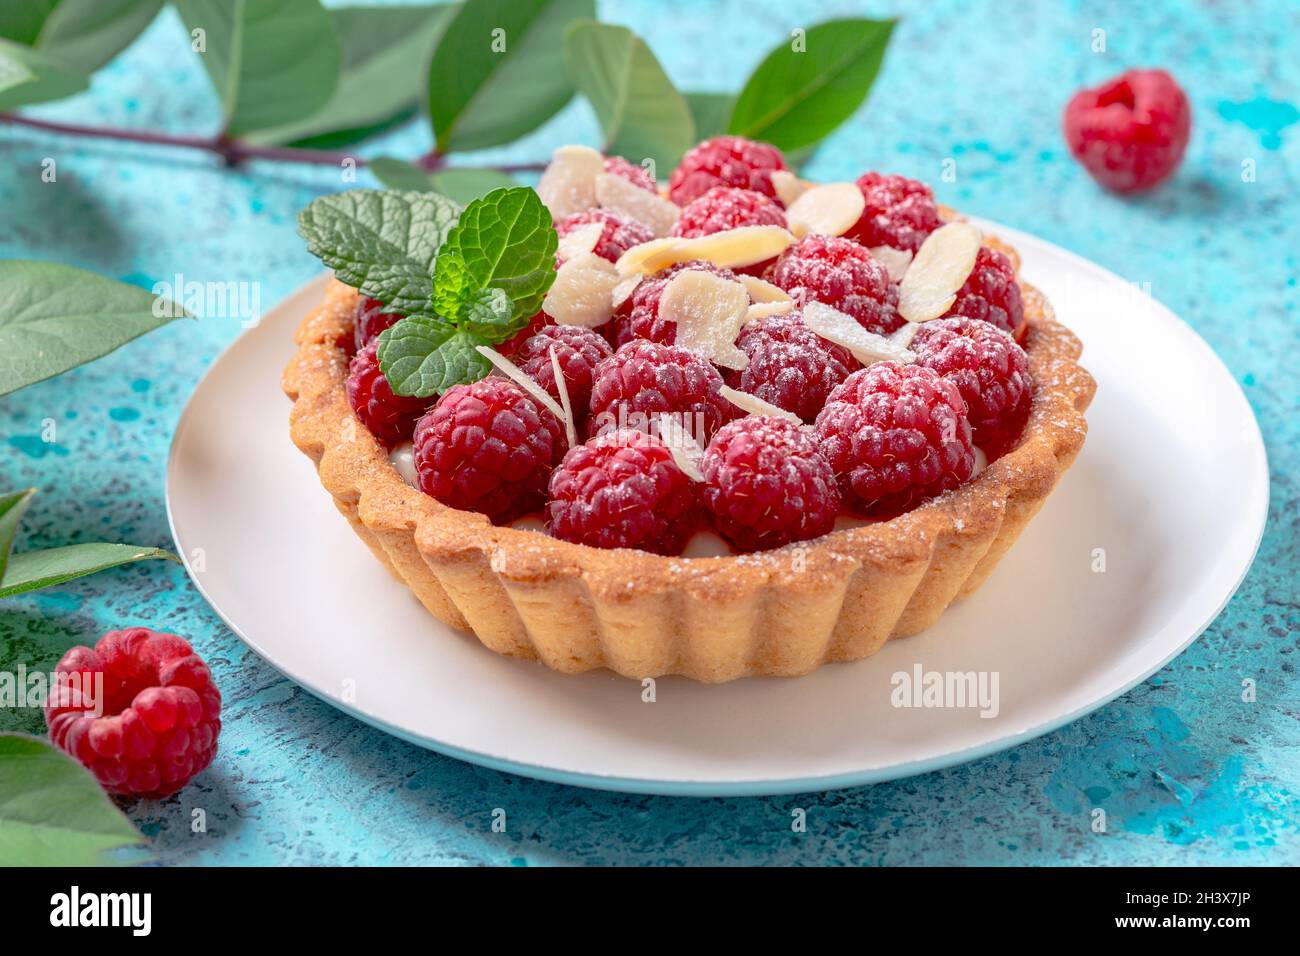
(1186, 771)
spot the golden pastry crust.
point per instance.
(777, 613)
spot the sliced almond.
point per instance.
(902, 336)
(517, 375)
(942, 265)
(760, 290)
(637, 259)
(562, 386)
(580, 240)
(755, 405)
(867, 347)
(731, 249)
(788, 186)
(681, 444)
(569, 183)
(894, 260)
(616, 193)
(709, 311)
(583, 292)
(761, 310)
(829, 210)
(626, 286)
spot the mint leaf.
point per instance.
(462, 185)
(52, 811)
(383, 243)
(33, 570)
(796, 98)
(640, 111)
(30, 77)
(487, 315)
(505, 240)
(12, 507)
(422, 356)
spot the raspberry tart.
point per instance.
(741, 425)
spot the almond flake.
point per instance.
(616, 193)
(681, 444)
(562, 386)
(894, 260)
(709, 311)
(761, 310)
(756, 406)
(829, 210)
(569, 183)
(867, 347)
(788, 186)
(731, 249)
(513, 372)
(638, 259)
(902, 337)
(626, 286)
(760, 290)
(942, 265)
(580, 240)
(583, 292)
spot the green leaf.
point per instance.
(271, 61)
(487, 315)
(710, 112)
(505, 240)
(381, 242)
(12, 507)
(33, 570)
(498, 71)
(423, 356)
(384, 52)
(52, 811)
(54, 317)
(796, 98)
(462, 185)
(30, 77)
(21, 20)
(86, 34)
(640, 111)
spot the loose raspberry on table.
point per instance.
(636, 175)
(725, 161)
(371, 319)
(766, 484)
(991, 293)
(618, 235)
(790, 366)
(159, 713)
(644, 380)
(900, 212)
(1130, 133)
(488, 447)
(895, 435)
(538, 322)
(638, 317)
(389, 417)
(726, 207)
(579, 351)
(622, 489)
(989, 369)
(843, 275)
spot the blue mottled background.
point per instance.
(1186, 771)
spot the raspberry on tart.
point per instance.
(623, 489)
(896, 436)
(161, 712)
(1130, 133)
(991, 293)
(728, 207)
(638, 317)
(644, 380)
(636, 175)
(900, 212)
(578, 350)
(389, 417)
(488, 447)
(538, 322)
(790, 366)
(989, 369)
(725, 161)
(767, 485)
(619, 233)
(371, 319)
(842, 274)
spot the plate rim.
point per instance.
(778, 786)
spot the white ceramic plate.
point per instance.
(1172, 486)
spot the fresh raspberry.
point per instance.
(488, 447)
(1130, 132)
(725, 161)
(900, 212)
(579, 351)
(371, 319)
(726, 207)
(618, 236)
(895, 435)
(538, 322)
(643, 380)
(767, 484)
(160, 713)
(389, 417)
(790, 366)
(636, 175)
(842, 274)
(638, 317)
(989, 369)
(991, 293)
(623, 490)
